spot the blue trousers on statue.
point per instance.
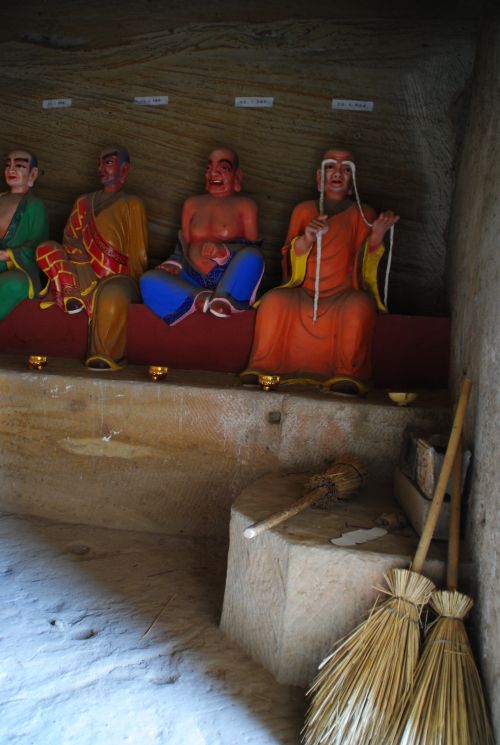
(172, 296)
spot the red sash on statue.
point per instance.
(104, 259)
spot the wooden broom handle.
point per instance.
(454, 528)
(444, 476)
(279, 517)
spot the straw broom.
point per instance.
(338, 483)
(360, 685)
(447, 704)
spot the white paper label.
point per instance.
(347, 104)
(57, 103)
(253, 102)
(151, 100)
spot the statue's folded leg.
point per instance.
(108, 328)
(241, 280)
(63, 274)
(274, 345)
(14, 287)
(171, 296)
(336, 350)
(354, 335)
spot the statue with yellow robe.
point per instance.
(97, 267)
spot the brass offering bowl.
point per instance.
(36, 362)
(157, 372)
(402, 398)
(268, 382)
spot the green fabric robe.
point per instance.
(20, 277)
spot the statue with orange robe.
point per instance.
(217, 264)
(319, 325)
(103, 254)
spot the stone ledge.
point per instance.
(117, 450)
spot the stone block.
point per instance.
(290, 594)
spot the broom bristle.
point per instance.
(361, 683)
(340, 481)
(447, 703)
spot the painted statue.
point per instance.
(319, 325)
(23, 224)
(103, 254)
(217, 265)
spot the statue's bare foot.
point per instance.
(202, 301)
(220, 308)
(73, 305)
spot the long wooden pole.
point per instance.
(279, 517)
(454, 527)
(444, 476)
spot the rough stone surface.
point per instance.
(111, 637)
(475, 285)
(118, 450)
(413, 60)
(290, 594)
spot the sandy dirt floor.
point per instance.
(112, 637)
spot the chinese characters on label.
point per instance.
(57, 103)
(348, 105)
(248, 102)
(151, 100)
(253, 102)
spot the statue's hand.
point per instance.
(211, 250)
(74, 248)
(77, 253)
(380, 227)
(4, 256)
(317, 225)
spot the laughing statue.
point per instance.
(217, 265)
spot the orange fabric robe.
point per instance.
(287, 341)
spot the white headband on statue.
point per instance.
(352, 166)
